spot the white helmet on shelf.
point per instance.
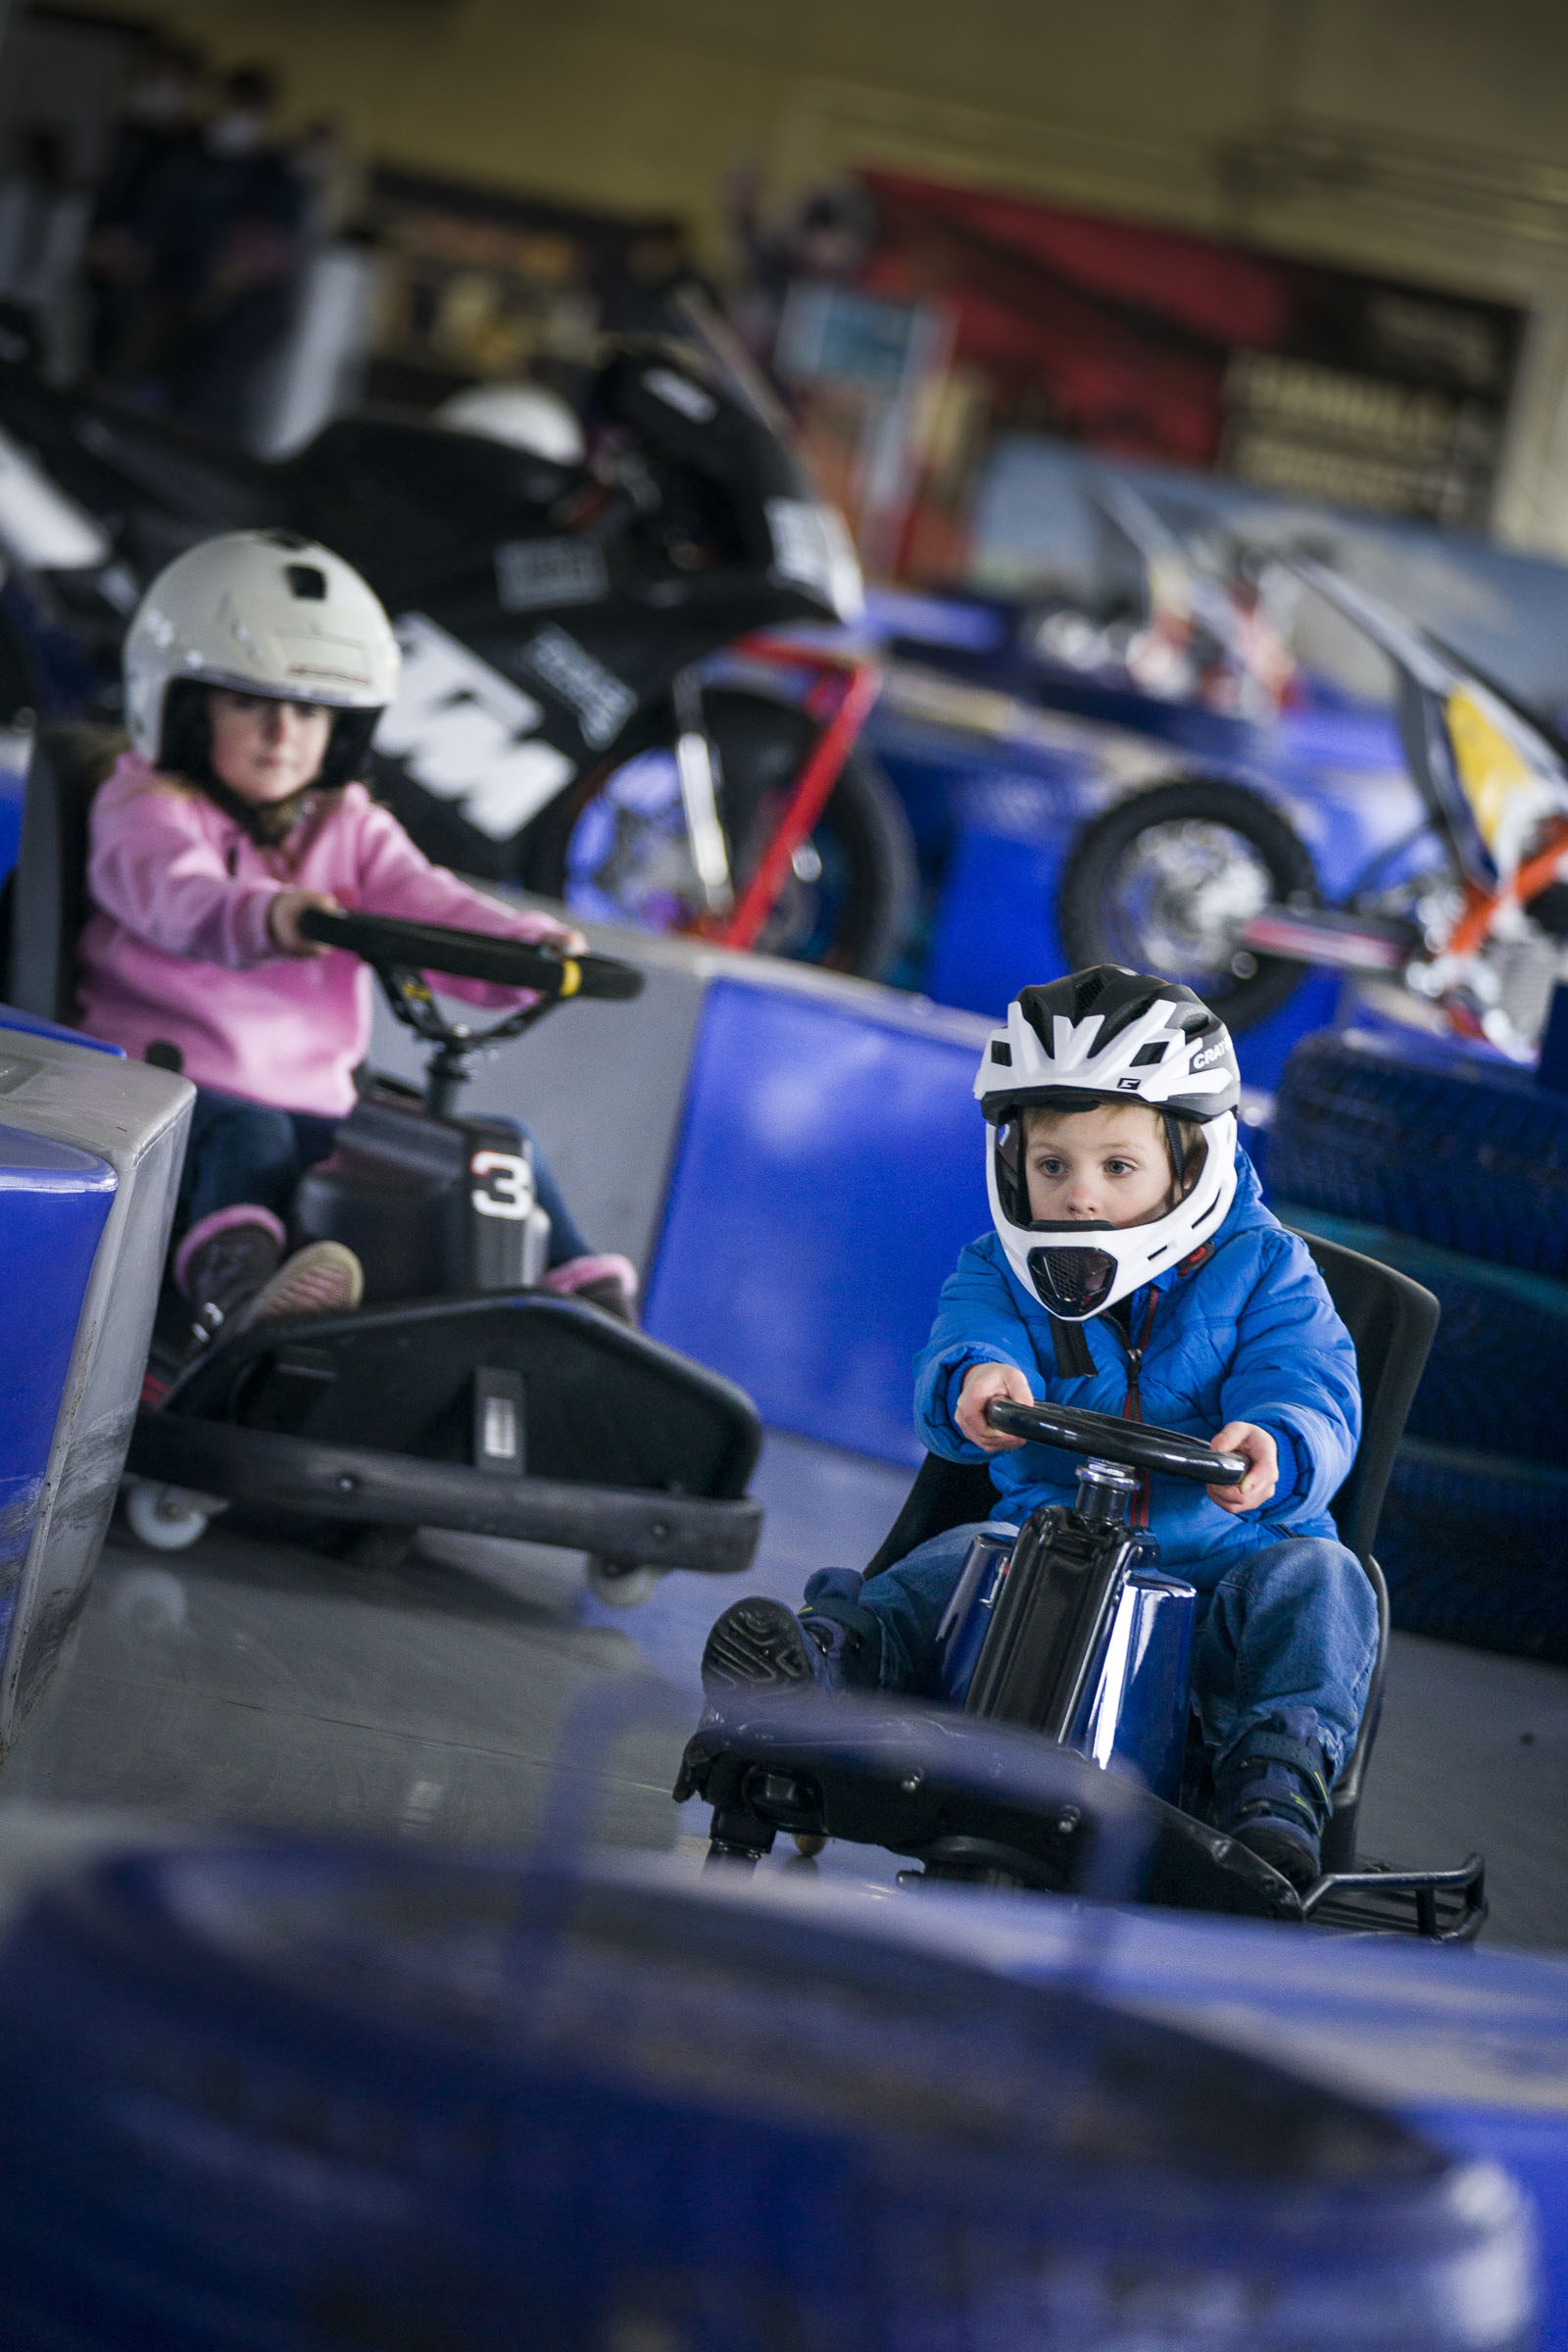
(263, 612)
(1108, 1035)
(524, 417)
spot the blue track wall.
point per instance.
(829, 1169)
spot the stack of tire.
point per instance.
(1454, 1169)
(288, 2100)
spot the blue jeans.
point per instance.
(1292, 1626)
(242, 1152)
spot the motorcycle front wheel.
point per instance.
(614, 846)
(1164, 881)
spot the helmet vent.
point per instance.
(1002, 1052)
(1145, 1056)
(307, 581)
(1072, 1282)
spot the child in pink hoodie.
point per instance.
(255, 668)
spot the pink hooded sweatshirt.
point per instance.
(179, 949)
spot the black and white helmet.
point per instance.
(1108, 1035)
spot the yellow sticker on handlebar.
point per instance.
(571, 976)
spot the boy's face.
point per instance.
(1107, 1166)
(263, 749)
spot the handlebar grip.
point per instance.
(1140, 1445)
(471, 955)
(604, 976)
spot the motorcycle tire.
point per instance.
(856, 915)
(1444, 1147)
(1096, 928)
(1471, 1545)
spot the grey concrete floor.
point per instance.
(250, 1684)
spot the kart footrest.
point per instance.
(268, 1470)
(1446, 1906)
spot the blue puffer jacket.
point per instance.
(1249, 1334)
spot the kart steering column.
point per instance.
(1104, 1491)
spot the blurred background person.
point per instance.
(157, 128)
(43, 222)
(224, 224)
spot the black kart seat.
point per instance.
(618, 1446)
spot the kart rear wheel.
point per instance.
(1164, 880)
(614, 846)
(167, 1518)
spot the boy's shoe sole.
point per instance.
(1283, 1851)
(324, 1278)
(757, 1644)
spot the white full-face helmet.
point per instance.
(1108, 1035)
(263, 612)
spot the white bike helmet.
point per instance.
(1108, 1035)
(265, 612)
(524, 417)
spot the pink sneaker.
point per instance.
(324, 1278)
(605, 1280)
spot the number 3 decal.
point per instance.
(506, 1184)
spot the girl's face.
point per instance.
(1107, 1166)
(266, 751)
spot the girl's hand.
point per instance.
(543, 931)
(981, 1383)
(1263, 1474)
(283, 921)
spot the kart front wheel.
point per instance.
(621, 1587)
(1164, 881)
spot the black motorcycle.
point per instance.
(554, 727)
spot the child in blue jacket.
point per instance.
(1135, 1270)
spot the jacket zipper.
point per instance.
(1132, 1403)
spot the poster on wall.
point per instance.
(1134, 342)
(478, 282)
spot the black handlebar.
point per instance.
(1109, 1440)
(382, 939)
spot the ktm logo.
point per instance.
(464, 732)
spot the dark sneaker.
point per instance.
(1273, 1798)
(224, 1264)
(322, 1279)
(1290, 1850)
(759, 1645)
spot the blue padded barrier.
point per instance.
(290, 2097)
(54, 1203)
(1496, 1380)
(1471, 2048)
(31, 1024)
(61, 1095)
(828, 1172)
